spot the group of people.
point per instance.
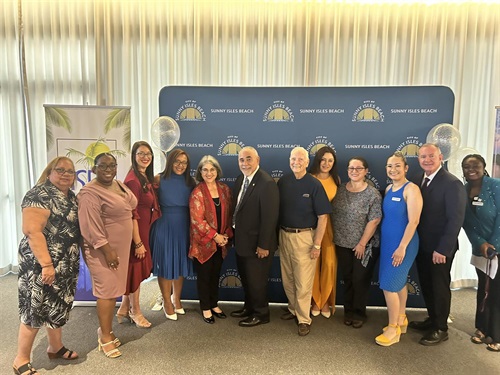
(173, 224)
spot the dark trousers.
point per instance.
(357, 281)
(488, 318)
(435, 282)
(207, 281)
(254, 273)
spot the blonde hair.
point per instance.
(50, 167)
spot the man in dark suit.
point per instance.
(440, 222)
(255, 220)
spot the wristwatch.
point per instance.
(317, 247)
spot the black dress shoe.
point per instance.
(433, 338)
(423, 325)
(219, 315)
(210, 320)
(252, 321)
(243, 313)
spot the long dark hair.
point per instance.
(172, 156)
(315, 167)
(149, 170)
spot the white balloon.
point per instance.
(165, 133)
(160, 160)
(447, 137)
(455, 162)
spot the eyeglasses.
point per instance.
(182, 163)
(105, 167)
(357, 169)
(62, 171)
(211, 170)
(144, 154)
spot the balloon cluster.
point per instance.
(448, 138)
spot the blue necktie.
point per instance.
(243, 191)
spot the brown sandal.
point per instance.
(23, 370)
(60, 354)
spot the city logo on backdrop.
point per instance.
(230, 147)
(368, 112)
(230, 279)
(190, 111)
(410, 147)
(276, 174)
(319, 142)
(278, 112)
(412, 286)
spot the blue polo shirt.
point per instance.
(302, 201)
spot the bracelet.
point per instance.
(317, 247)
(138, 245)
(48, 265)
(215, 235)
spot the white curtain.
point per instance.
(105, 52)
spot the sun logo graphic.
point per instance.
(190, 111)
(278, 112)
(87, 158)
(230, 279)
(410, 147)
(276, 174)
(368, 112)
(371, 180)
(412, 286)
(230, 147)
(319, 142)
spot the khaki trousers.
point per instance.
(297, 272)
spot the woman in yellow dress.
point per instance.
(324, 168)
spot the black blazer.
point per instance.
(442, 213)
(257, 217)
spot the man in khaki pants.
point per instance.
(304, 207)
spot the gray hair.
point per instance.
(208, 159)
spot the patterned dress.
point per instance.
(41, 304)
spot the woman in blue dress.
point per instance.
(169, 238)
(401, 209)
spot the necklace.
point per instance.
(215, 201)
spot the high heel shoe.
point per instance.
(111, 353)
(326, 314)
(177, 311)
(123, 318)
(24, 369)
(383, 340)
(210, 319)
(220, 315)
(61, 353)
(170, 316)
(404, 326)
(315, 312)
(139, 320)
(116, 341)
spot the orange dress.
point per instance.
(325, 279)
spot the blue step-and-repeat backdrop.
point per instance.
(372, 122)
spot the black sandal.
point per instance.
(493, 347)
(478, 337)
(22, 370)
(60, 354)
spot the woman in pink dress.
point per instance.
(105, 211)
(140, 180)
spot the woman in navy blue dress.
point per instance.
(169, 238)
(401, 209)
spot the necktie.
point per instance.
(425, 184)
(243, 191)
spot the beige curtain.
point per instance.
(106, 52)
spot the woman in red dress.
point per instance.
(140, 180)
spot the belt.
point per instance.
(296, 230)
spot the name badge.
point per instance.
(476, 203)
(305, 195)
(396, 199)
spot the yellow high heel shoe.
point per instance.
(383, 340)
(404, 326)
